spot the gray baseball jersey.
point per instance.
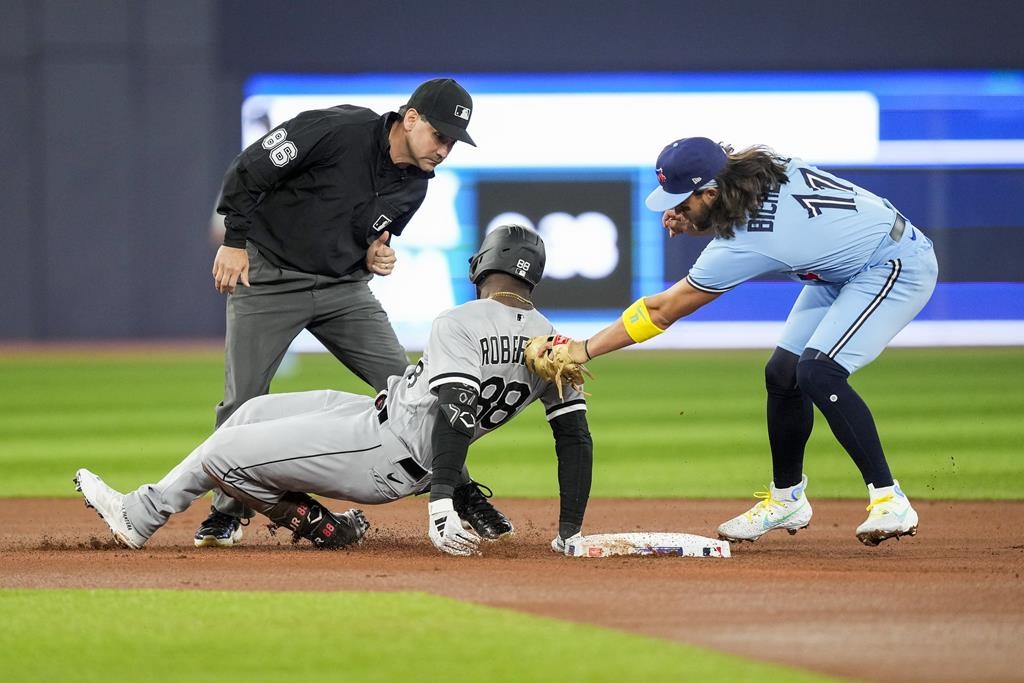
(479, 344)
(354, 447)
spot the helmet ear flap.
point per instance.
(474, 265)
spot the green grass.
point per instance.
(669, 424)
(58, 635)
(665, 424)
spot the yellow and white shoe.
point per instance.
(786, 509)
(889, 515)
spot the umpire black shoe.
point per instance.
(472, 506)
(219, 529)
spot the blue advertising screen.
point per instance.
(572, 156)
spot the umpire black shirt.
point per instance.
(316, 190)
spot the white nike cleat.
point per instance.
(786, 509)
(889, 515)
(109, 505)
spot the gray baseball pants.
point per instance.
(264, 318)
(328, 443)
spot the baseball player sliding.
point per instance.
(414, 436)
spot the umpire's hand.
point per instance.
(380, 258)
(230, 266)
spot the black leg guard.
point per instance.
(308, 519)
(825, 381)
(790, 418)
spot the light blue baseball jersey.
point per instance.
(818, 229)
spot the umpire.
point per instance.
(310, 211)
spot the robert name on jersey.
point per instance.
(502, 350)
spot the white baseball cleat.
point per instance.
(889, 515)
(109, 505)
(786, 509)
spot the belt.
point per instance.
(412, 468)
(898, 226)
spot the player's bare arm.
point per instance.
(647, 317)
(561, 361)
(678, 301)
(230, 266)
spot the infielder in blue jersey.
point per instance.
(868, 271)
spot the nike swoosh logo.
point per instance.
(900, 515)
(766, 523)
(913, 235)
(392, 477)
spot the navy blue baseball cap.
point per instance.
(683, 167)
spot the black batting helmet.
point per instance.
(509, 249)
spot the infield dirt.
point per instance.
(947, 605)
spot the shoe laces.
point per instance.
(472, 497)
(764, 506)
(218, 518)
(877, 503)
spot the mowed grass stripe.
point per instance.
(665, 424)
(65, 635)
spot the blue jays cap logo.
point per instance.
(684, 166)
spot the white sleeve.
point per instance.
(453, 355)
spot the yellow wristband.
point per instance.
(637, 321)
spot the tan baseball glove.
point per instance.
(548, 358)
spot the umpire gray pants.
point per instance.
(264, 318)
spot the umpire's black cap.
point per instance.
(446, 105)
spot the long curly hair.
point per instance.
(748, 176)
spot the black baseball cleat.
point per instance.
(476, 511)
(219, 530)
(308, 519)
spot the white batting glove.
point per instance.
(446, 530)
(561, 546)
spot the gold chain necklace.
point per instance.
(513, 295)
